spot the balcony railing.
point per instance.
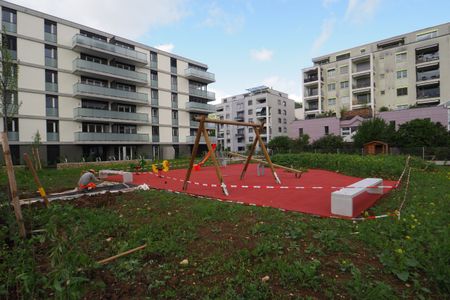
(84, 65)
(361, 67)
(199, 75)
(50, 37)
(200, 107)
(154, 64)
(202, 93)
(174, 104)
(9, 27)
(430, 75)
(310, 108)
(155, 102)
(111, 137)
(361, 100)
(80, 40)
(311, 93)
(190, 139)
(52, 136)
(104, 92)
(174, 87)
(421, 58)
(361, 84)
(310, 79)
(89, 113)
(173, 70)
(13, 54)
(51, 62)
(196, 124)
(429, 93)
(174, 122)
(13, 135)
(155, 138)
(51, 87)
(154, 83)
(51, 112)
(175, 139)
(155, 120)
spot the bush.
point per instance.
(374, 130)
(329, 143)
(280, 144)
(422, 133)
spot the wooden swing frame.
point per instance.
(202, 130)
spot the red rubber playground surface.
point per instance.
(309, 194)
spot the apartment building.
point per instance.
(259, 104)
(96, 96)
(411, 69)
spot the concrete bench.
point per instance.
(127, 177)
(342, 200)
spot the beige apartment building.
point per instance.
(409, 70)
(95, 96)
(259, 104)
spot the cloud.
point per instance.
(130, 20)
(359, 11)
(165, 47)
(328, 3)
(220, 94)
(289, 86)
(217, 17)
(261, 54)
(325, 34)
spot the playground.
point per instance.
(308, 194)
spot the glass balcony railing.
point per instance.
(111, 137)
(202, 93)
(89, 113)
(154, 64)
(155, 138)
(155, 120)
(84, 41)
(311, 93)
(51, 112)
(200, 107)
(51, 62)
(51, 87)
(99, 91)
(426, 57)
(310, 79)
(155, 102)
(50, 37)
(311, 108)
(199, 75)
(84, 65)
(52, 136)
(361, 84)
(13, 135)
(13, 54)
(174, 87)
(196, 124)
(428, 75)
(174, 104)
(174, 122)
(190, 139)
(428, 93)
(175, 139)
(173, 70)
(9, 27)
(154, 83)
(362, 100)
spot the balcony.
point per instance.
(93, 46)
(310, 79)
(155, 138)
(360, 84)
(202, 94)
(239, 117)
(175, 139)
(175, 104)
(428, 93)
(155, 120)
(51, 112)
(51, 87)
(154, 64)
(199, 75)
(196, 124)
(190, 139)
(200, 107)
(82, 114)
(95, 137)
(174, 87)
(311, 108)
(428, 75)
(52, 137)
(98, 92)
(84, 67)
(51, 62)
(174, 122)
(13, 136)
(173, 70)
(154, 83)
(50, 37)
(361, 100)
(13, 54)
(9, 27)
(427, 57)
(240, 135)
(155, 102)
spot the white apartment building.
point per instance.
(96, 96)
(257, 105)
(411, 69)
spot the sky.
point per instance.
(248, 43)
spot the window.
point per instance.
(92, 104)
(174, 114)
(250, 112)
(383, 92)
(332, 87)
(94, 81)
(284, 112)
(13, 124)
(9, 15)
(284, 121)
(52, 126)
(154, 112)
(284, 129)
(174, 100)
(331, 72)
(250, 130)
(50, 52)
(153, 56)
(51, 101)
(343, 70)
(343, 56)
(284, 103)
(94, 59)
(124, 66)
(279, 120)
(173, 65)
(332, 102)
(124, 87)
(279, 111)
(400, 57)
(50, 27)
(402, 74)
(250, 120)
(93, 36)
(154, 94)
(250, 102)
(344, 84)
(121, 44)
(92, 127)
(123, 108)
(51, 76)
(279, 129)
(300, 132)
(250, 139)
(327, 130)
(402, 91)
(174, 82)
(11, 42)
(154, 75)
(279, 101)
(426, 35)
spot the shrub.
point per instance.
(329, 142)
(280, 144)
(374, 130)
(422, 133)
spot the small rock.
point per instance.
(184, 262)
(109, 239)
(265, 278)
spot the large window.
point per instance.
(402, 74)
(50, 52)
(400, 57)
(9, 15)
(344, 84)
(50, 27)
(52, 126)
(93, 127)
(92, 104)
(94, 81)
(95, 59)
(124, 129)
(402, 91)
(332, 87)
(51, 101)
(332, 102)
(343, 70)
(51, 76)
(331, 72)
(13, 124)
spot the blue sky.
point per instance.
(247, 43)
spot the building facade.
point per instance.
(260, 104)
(95, 96)
(407, 70)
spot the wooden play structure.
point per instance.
(376, 147)
(202, 131)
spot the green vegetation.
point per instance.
(422, 133)
(329, 143)
(234, 251)
(374, 130)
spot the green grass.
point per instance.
(230, 249)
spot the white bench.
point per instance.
(127, 177)
(342, 200)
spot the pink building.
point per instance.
(435, 114)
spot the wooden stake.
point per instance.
(216, 164)
(109, 259)
(36, 179)
(194, 153)
(12, 184)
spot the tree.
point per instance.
(298, 104)
(280, 144)
(329, 142)
(8, 83)
(300, 144)
(422, 133)
(374, 130)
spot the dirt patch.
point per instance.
(95, 201)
